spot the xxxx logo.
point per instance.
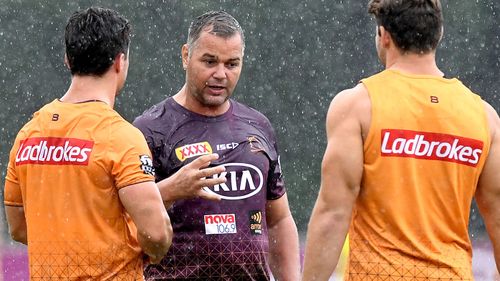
(192, 150)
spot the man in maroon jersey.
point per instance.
(251, 228)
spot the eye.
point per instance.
(233, 64)
(210, 62)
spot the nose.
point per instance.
(220, 72)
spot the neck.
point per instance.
(87, 88)
(412, 63)
(188, 101)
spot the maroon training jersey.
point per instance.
(224, 240)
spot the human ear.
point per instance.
(185, 55)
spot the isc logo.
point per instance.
(227, 146)
(243, 181)
(192, 150)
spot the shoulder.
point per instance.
(240, 109)
(123, 135)
(119, 127)
(250, 114)
(154, 112)
(158, 118)
(493, 119)
(34, 122)
(353, 100)
(350, 108)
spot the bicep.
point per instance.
(488, 191)
(277, 210)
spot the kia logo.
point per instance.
(243, 181)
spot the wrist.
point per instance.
(166, 191)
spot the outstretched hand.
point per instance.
(189, 181)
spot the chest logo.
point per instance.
(220, 224)
(227, 146)
(193, 150)
(243, 181)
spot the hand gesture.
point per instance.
(189, 181)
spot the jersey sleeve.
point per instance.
(12, 189)
(275, 182)
(131, 161)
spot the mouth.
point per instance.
(216, 89)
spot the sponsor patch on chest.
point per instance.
(220, 224)
(255, 222)
(243, 181)
(192, 150)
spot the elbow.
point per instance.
(19, 235)
(166, 240)
(162, 241)
(157, 243)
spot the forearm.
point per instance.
(492, 222)
(325, 238)
(284, 250)
(16, 222)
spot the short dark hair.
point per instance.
(222, 24)
(93, 38)
(414, 25)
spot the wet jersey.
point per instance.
(65, 169)
(426, 147)
(224, 240)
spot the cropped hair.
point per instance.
(415, 25)
(93, 38)
(220, 24)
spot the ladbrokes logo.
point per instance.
(425, 145)
(192, 150)
(54, 151)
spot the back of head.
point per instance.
(93, 39)
(218, 23)
(414, 25)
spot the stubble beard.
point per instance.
(210, 101)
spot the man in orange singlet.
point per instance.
(80, 188)
(407, 151)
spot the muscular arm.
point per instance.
(143, 203)
(341, 174)
(283, 240)
(488, 190)
(17, 223)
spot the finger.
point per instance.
(212, 181)
(209, 196)
(203, 161)
(208, 172)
